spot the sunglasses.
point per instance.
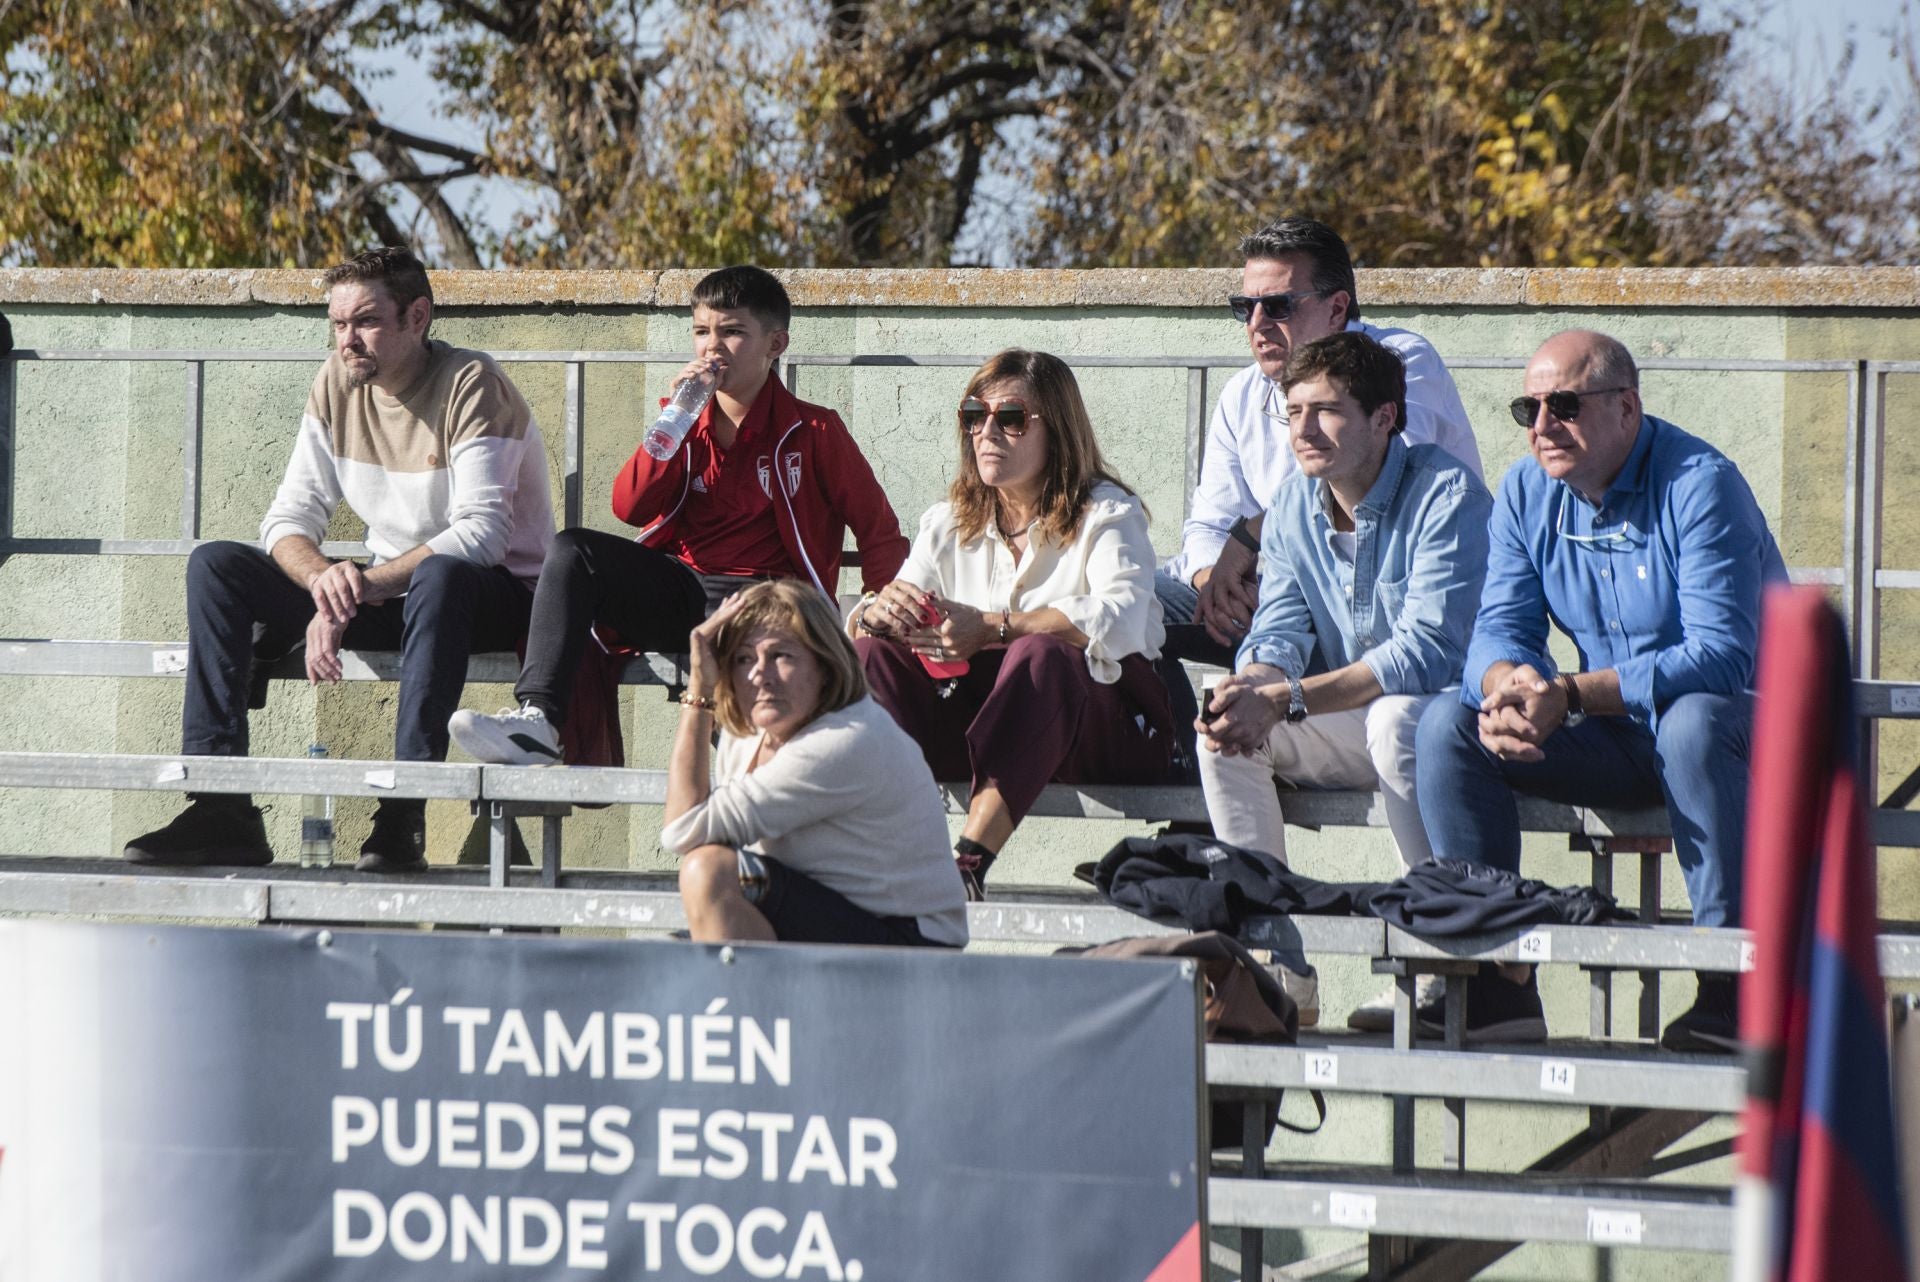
(1278, 307)
(1010, 416)
(1564, 406)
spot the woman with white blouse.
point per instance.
(1016, 645)
(818, 821)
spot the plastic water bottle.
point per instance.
(316, 822)
(678, 416)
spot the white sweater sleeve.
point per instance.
(485, 474)
(815, 776)
(310, 489)
(488, 437)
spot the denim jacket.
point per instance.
(1405, 607)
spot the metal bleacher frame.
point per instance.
(1417, 1218)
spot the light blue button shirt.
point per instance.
(1660, 581)
(1405, 605)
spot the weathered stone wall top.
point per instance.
(1822, 288)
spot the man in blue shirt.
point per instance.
(1371, 561)
(1645, 546)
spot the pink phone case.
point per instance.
(938, 669)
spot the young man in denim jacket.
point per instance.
(1371, 563)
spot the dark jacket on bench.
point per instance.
(1203, 884)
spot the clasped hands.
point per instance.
(899, 612)
(1519, 714)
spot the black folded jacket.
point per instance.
(1203, 884)
(1446, 897)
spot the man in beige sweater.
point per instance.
(437, 452)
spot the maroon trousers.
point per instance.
(1026, 716)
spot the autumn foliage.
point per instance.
(869, 132)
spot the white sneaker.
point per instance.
(1376, 1016)
(1305, 991)
(510, 737)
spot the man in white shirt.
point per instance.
(1297, 285)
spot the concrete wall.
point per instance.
(99, 456)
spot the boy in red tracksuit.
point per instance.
(765, 486)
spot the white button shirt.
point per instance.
(1102, 581)
(1249, 454)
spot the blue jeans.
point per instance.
(1695, 763)
(1178, 600)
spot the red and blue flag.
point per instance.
(1820, 1190)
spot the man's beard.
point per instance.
(362, 371)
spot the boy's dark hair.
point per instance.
(744, 288)
(1332, 265)
(402, 275)
(1372, 374)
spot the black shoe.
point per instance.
(973, 884)
(1498, 1010)
(213, 830)
(1712, 1024)
(398, 842)
(973, 860)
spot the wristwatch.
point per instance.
(1243, 536)
(1575, 713)
(1296, 702)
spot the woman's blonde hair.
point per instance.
(799, 609)
(1074, 465)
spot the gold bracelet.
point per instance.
(689, 701)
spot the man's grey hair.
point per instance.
(1608, 363)
(1612, 364)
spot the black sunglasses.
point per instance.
(1010, 416)
(1564, 406)
(1278, 307)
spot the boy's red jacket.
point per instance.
(820, 482)
(825, 487)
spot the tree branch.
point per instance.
(964, 182)
(978, 114)
(481, 16)
(380, 218)
(378, 130)
(387, 146)
(1005, 72)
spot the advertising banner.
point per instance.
(182, 1103)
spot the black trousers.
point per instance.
(236, 592)
(649, 598)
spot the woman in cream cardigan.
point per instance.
(1036, 574)
(814, 820)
